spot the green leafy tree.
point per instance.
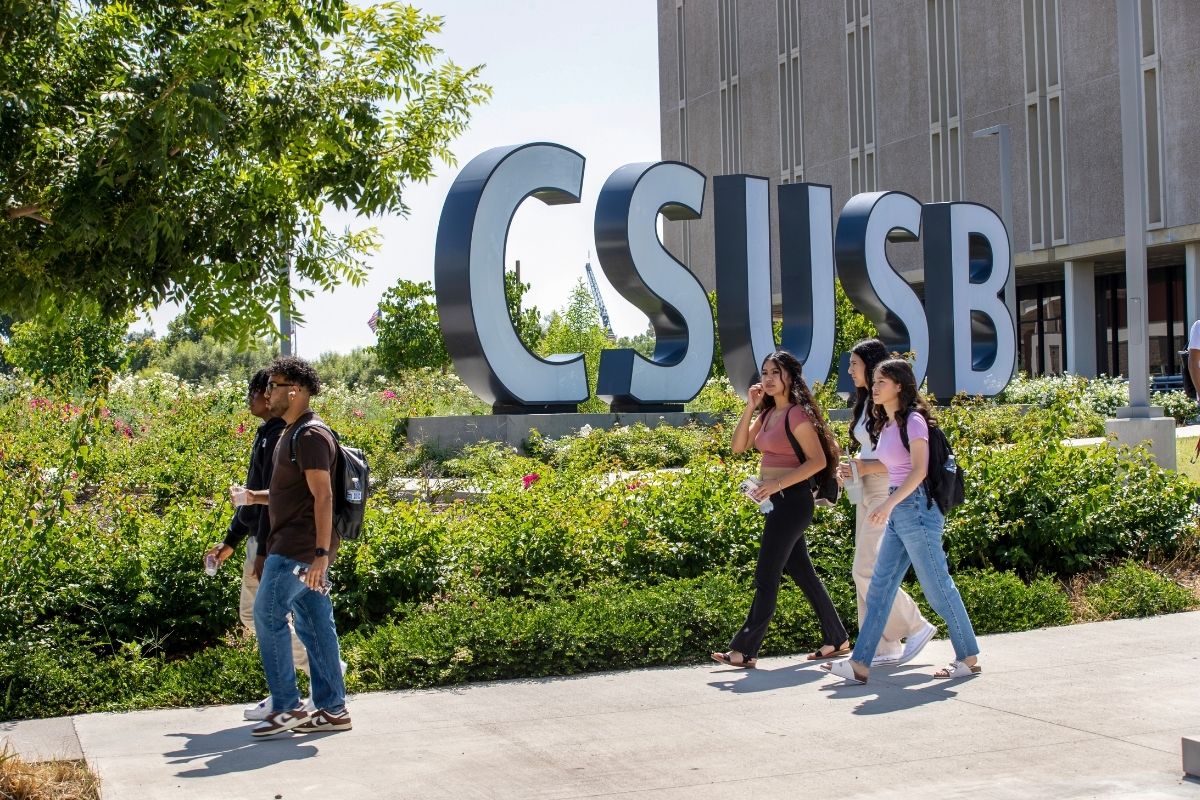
(210, 358)
(577, 329)
(140, 349)
(410, 335)
(185, 151)
(72, 353)
(359, 367)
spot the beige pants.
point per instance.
(246, 606)
(905, 618)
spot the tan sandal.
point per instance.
(844, 650)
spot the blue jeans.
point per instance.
(914, 536)
(279, 593)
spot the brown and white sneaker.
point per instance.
(280, 721)
(325, 721)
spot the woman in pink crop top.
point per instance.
(913, 535)
(783, 398)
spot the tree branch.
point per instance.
(32, 212)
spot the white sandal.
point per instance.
(843, 669)
(958, 669)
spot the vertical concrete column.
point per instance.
(1191, 281)
(1081, 317)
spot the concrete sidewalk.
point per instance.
(1081, 711)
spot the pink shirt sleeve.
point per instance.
(917, 427)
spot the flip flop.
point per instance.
(745, 663)
(819, 656)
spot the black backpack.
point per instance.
(351, 482)
(944, 478)
(824, 484)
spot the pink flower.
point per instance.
(634, 486)
(358, 413)
(241, 428)
(39, 403)
(531, 479)
(388, 394)
(105, 413)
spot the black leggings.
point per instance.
(784, 550)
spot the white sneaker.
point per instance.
(886, 659)
(258, 712)
(916, 643)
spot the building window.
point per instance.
(1043, 124)
(945, 152)
(1042, 328)
(1151, 115)
(730, 91)
(860, 89)
(791, 118)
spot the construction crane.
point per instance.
(591, 276)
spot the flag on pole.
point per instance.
(373, 322)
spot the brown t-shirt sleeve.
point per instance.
(314, 449)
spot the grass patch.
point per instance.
(49, 780)
(1184, 448)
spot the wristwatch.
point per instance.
(321, 551)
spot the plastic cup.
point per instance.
(854, 487)
(238, 495)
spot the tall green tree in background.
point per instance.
(578, 329)
(70, 358)
(185, 151)
(409, 334)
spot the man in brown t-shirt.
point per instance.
(300, 548)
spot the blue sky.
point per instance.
(584, 75)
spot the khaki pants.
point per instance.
(246, 606)
(905, 618)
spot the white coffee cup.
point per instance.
(853, 486)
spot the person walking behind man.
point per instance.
(252, 523)
(300, 548)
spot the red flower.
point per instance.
(531, 479)
(241, 428)
(634, 486)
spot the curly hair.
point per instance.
(900, 371)
(258, 382)
(801, 395)
(871, 352)
(297, 370)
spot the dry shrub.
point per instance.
(49, 780)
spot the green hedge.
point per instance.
(1132, 590)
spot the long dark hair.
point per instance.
(871, 352)
(800, 394)
(900, 371)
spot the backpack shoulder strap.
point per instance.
(904, 432)
(787, 428)
(296, 435)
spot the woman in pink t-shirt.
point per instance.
(783, 398)
(914, 528)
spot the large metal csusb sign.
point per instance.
(963, 334)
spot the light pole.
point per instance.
(1003, 134)
(285, 321)
(1129, 43)
(1137, 423)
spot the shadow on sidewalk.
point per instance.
(893, 692)
(234, 750)
(767, 680)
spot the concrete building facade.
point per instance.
(867, 95)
